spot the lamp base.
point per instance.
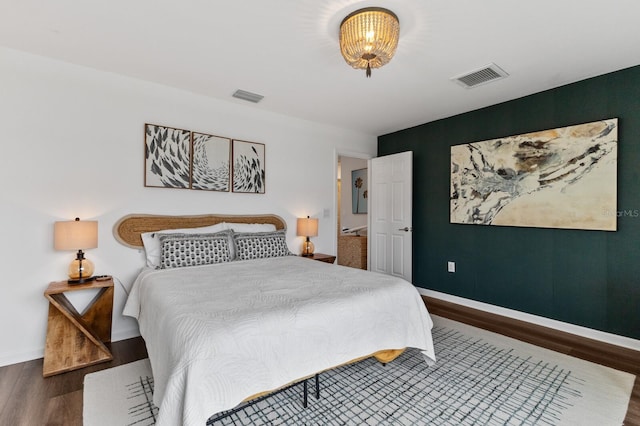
(307, 248)
(80, 270)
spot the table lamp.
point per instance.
(77, 235)
(307, 227)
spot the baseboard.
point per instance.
(15, 358)
(125, 334)
(589, 333)
(539, 331)
(9, 358)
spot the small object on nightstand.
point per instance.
(76, 340)
(327, 258)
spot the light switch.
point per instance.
(451, 266)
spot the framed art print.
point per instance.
(558, 178)
(248, 167)
(211, 162)
(359, 191)
(167, 153)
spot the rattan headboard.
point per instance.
(127, 230)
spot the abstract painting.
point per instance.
(167, 157)
(560, 178)
(211, 162)
(359, 191)
(248, 167)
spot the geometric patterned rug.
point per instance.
(480, 378)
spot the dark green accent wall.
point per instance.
(588, 278)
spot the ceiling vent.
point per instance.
(247, 96)
(480, 76)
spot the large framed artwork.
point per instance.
(248, 167)
(167, 157)
(560, 178)
(359, 191)
(211, 162)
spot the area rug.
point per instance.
(481, 378)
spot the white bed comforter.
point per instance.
(218, 334)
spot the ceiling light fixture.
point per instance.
(369, 38)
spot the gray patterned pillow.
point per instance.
(181, 250)
(260, 245)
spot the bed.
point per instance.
(220, 333)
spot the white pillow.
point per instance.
(152, 243)
(250, 227)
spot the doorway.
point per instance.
(352, 206)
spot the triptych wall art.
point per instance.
(176, 158)
(560, 178)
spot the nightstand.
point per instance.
(327, 258)
(76, 340)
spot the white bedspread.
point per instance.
(218, 334)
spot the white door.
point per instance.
(390, 206)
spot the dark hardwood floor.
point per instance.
(26, 398)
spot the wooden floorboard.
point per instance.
(26, 398)
(63, 410)
(9, 378)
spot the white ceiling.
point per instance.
(287, 50)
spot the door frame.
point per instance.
(337, 154)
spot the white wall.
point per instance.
(347, 218)
(72, 145)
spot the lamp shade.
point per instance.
(76, 235)
(307, 227)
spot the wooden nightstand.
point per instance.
(76, 340)
(327, 258)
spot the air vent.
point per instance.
(247, 96)
(481, 76)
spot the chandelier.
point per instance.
(369, 37)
